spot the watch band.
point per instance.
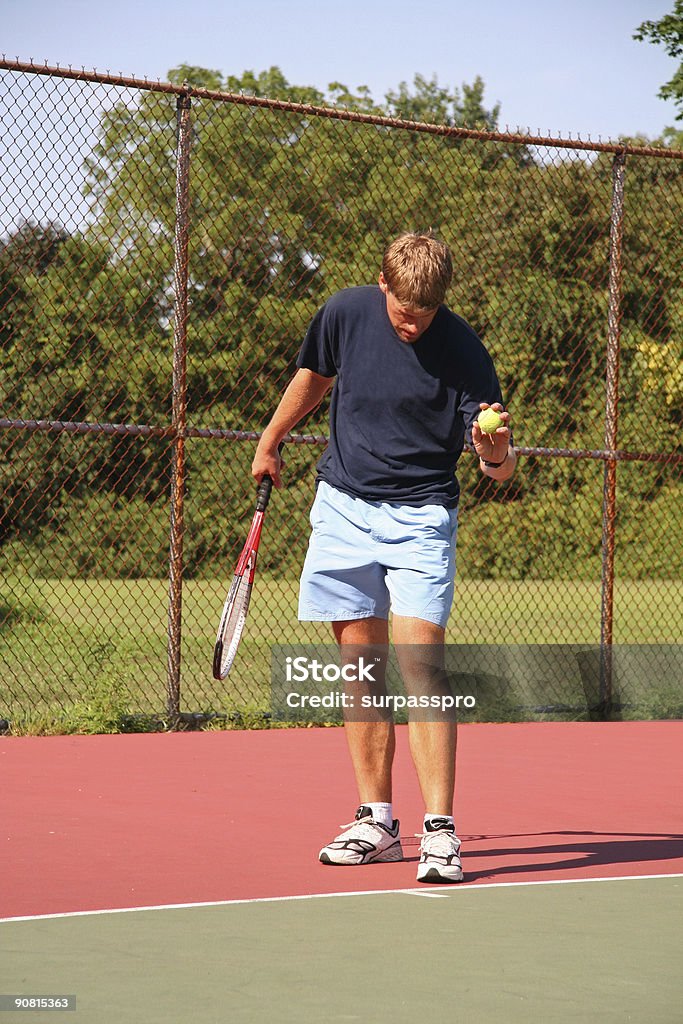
(496, 465)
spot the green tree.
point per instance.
(668, 32)
(283, 207)
(435, 104)
(82, 341)
(287, 207)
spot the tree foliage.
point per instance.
(668, 32)
(285, 209)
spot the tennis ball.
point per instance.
(489, 420)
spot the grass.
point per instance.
(91, 655)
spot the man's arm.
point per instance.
(305, 391)
(503, 471)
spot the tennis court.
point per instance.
(175, 877)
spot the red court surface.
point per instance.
(106, 822)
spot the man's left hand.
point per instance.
(492, 447)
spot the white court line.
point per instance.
(428, 895)
(451, 889)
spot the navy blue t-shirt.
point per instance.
(400, 411)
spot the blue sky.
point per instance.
(568, 68)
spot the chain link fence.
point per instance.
(162, 250)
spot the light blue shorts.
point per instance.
(365, 557)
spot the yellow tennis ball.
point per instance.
(489, 420)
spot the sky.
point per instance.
(566, 68)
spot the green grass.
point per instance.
(88, 654)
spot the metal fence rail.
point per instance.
(162, 249)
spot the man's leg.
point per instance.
(432, 743)
(372, 741)
(374, 834)
(420, 649)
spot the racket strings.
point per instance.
(234, 624)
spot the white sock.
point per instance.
(382, 813)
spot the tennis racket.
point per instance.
(237, 602)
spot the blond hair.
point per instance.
(417, 270)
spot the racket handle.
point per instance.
(263, 494)
(265, 487)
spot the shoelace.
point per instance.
(441, 843)
(359, 821)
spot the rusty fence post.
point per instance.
(179, 414)
(609, 499)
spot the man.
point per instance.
(409, 379)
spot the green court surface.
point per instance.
(584, 951)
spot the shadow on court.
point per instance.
(592, 850)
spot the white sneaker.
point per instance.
(364, 841)
(439, 854)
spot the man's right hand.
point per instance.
(304, 393)
(267, 462)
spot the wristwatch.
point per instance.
(496, 465)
